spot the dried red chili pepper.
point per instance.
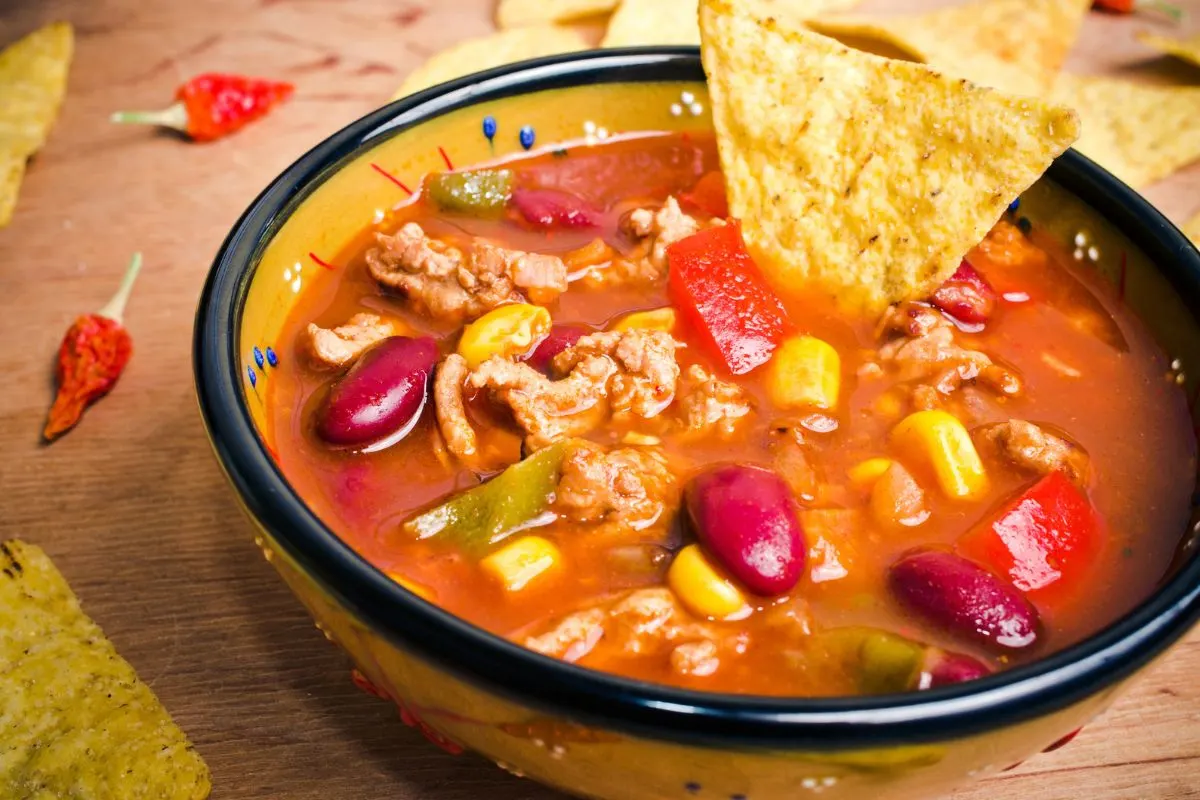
(213, 105)
(1130, 6)
(91, 358)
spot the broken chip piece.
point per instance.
(645, 22)
(33, 80)
(867, 176)
(493, 50)
(1186, 49)
(648, 22)
(75, 719)
(516, 13)
(1139, 132)
(1013, 45)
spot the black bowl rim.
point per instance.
(631, 706)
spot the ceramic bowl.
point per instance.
(590, 733)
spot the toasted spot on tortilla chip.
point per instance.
(33, 80)
(647, 22)
(869, 177)
(1187, 49)
(515, 13)
(1139, 132)
(493, 50)
(75, 720)
(1013, 45)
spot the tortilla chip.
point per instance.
(869, 177)
(515, 13)
(75, 719)
(1139, 132)
(648, 22)
(12, 170)
(1192, 229)
(645, 22)
(493, 50)
(33, 80)
(1013, 45)
(1187, 49)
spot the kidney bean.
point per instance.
(966, 296)
(560, 338)
(964, 599)
(377, 401)
(550, 208)
(746, 518)
(945, 669)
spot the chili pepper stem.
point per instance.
(174, 116)
(115, 307)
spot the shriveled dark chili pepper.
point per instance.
(1131, 6)
(213, 105)
(91, 357)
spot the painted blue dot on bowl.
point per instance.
(489, 127)
(692, 787)
(1014, 205)
(258, 357)
(527, 136)
(272, 359)
(252, 375)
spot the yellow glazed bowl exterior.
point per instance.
(585, 754)
(593, 761)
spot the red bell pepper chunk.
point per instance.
(719, 291)
(708, 195)
(966, 295)
(1044, 540)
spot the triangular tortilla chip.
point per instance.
(1012, 45)
(1187, 49)
(493, 50)
(868, 176)
(1139, 132)
(33, 80)
(516, 13)
(75, 720)
(647, 22)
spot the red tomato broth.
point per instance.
(1122, 410)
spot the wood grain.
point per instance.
(132, 506)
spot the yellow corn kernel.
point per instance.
(940, 439)
(659, 319)
(804, 372)
(865, 473)
(516, 564)
(700, 587)
(505, 331)
(420, 591)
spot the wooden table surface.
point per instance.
(131, 505)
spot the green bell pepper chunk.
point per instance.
(488, 513)
(479, 193)
(881, 662)
(889, 663)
